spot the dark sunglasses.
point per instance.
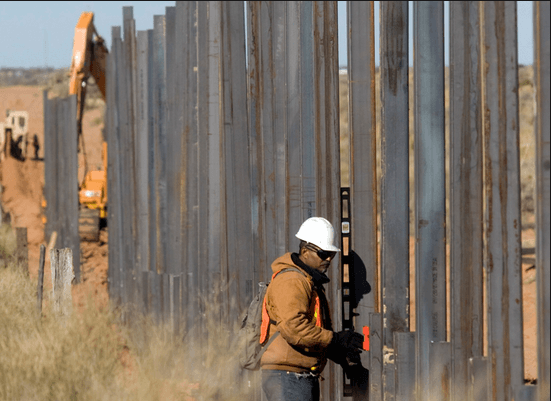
(323, 255)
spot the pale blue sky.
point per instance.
(40, 33)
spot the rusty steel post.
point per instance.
(174, 109)
(22, 250)
(215, 223)
(405, 358)
(119, 155)
(202, 144)
(237, 173)
(363, 171)
(260, 118)
(430, 186)
(394, 182)
(180, 121)
(210, 159)
(165, 298)
(270, 94)
(60, 167)
(375, 356)
(69, 178)
(327, 166)
(118, 162)
(190, 175)
(156, 295)
(296, 103)
(440, 373)
(151, 168)
(160, 140)
(276, 195)
(278, 125)
(255, 107)
(173, 153)
(142, 152)
(543, 256)
(299, 130)
(502, 198)
(129, 153)
(326, 87)
(465, 193)
(113, 169)
(50, 160)
(123, 81)
(477, 385)
(179, 118)
(65, 170)
(146, 293)
(175, 304)
(124, 133)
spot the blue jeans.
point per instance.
(280, 385)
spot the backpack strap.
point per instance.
(265, 347)
(265, 326)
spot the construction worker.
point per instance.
(36, 146)
(297, 308)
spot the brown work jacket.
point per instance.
(291, 303)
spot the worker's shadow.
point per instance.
(358, 278)
(358, 374)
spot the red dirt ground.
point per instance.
(23, 183)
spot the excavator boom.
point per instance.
(89, 55)
(89, 59)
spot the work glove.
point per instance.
(348, 341)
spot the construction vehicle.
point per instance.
(89, 59)
(13, 134)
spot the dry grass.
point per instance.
(43, 358)
(167, 367)
(7, 243)
(92, 356)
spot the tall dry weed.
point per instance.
(44, 358)
(7, 243)
(91, 355)
(200, 363)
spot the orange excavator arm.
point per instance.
(89, 59)
(89, 55)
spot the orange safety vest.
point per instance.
(266, 318)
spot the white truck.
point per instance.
(14, 135)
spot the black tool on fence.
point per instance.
(357, 385)
(347, 288)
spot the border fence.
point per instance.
(223, 136)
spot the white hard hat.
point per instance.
(318, 231)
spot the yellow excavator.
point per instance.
(89, 59)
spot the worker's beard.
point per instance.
(324, 267)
